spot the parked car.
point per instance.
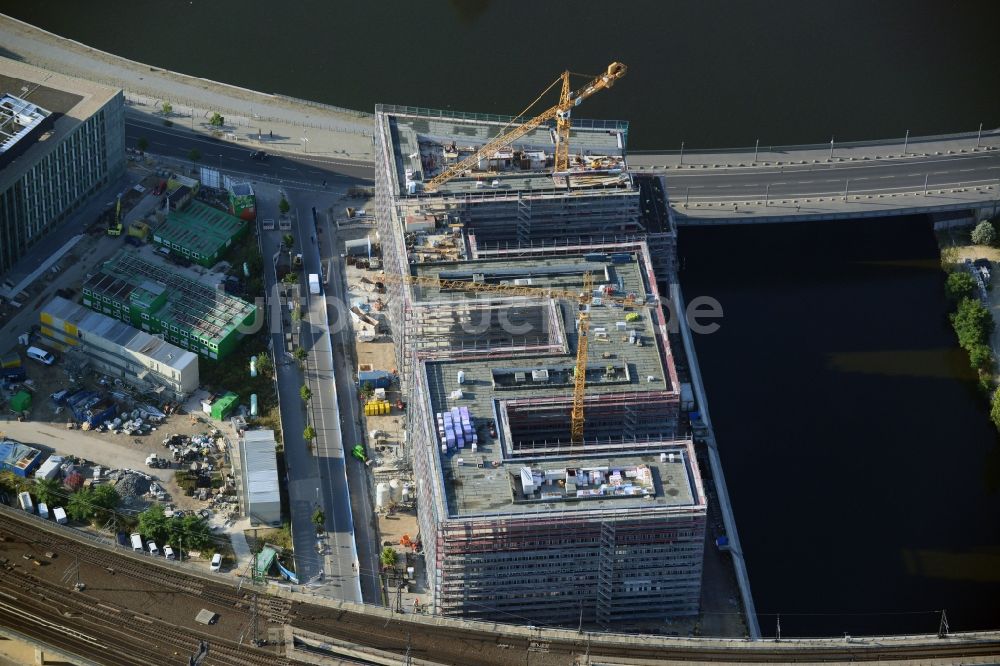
(216, 562)
(258, 155)
(41, 355)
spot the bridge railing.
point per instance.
(871, 143)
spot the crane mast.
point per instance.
(561, 112)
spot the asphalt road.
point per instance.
(303, 479)
(829, 179)
(301, 169)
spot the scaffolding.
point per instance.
(553, 559)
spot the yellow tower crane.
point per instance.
(561, 112)
(583, 299)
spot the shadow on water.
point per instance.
(859, 454)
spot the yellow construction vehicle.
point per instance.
(583, 298)
(561, 113)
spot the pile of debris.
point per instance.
(130, 484)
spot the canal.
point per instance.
(860, 458)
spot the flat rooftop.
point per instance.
(425, 141)
(510, 403)
(624, 349)
(69, 100)
(199, 228)
(475, 486)
(95, 324)
(205, 312)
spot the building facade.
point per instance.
(62, 140)
(113, 348)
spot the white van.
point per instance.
(168, 552)
(43, 510)
(153, 550)
(41, 355)
(136, 542)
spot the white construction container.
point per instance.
(382, 495)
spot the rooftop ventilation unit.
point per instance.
(540, 375)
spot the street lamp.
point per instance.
(906, 142)
(305, 143)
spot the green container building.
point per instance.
(223, 406)
(155, 299)
(200, 232)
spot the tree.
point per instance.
(190, 531)
(167, 108)
(995, 408)
(216, 120)
(142, 144)
(74, 481)
(48, 490)
(80, 506)
(290, 278)
(309, 433)
(306, 393)
(288, 240)
(973, 323)
(388, 557)
(284, 206)
(194, 155)
(264, 365)
(153, 524)
(367, 390)
(300, 354)
(984, 233)
(981, 357)
(105, 500)
(319, 519)
(296, 314)
(12, 483)
(959, 285)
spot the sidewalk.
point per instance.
(297, 125)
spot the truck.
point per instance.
(313, 283)
(155, 461)
(24, 501)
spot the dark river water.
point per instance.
(860, 459)
(859, 456)
(709, 73)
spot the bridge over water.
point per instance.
(956, 172)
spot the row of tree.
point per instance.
(189, 531)
(98, 505)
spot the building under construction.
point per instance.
(554, 481)
(511, 203)
(157, 299)
(517, 520)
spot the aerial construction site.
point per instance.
(556, 481)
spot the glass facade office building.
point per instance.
(61, 140)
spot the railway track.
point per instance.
(114, 634)
(107, 632)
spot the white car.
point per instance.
(216, 562)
